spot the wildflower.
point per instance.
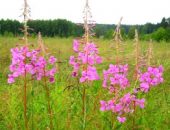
(121, 119)
(42, 71)
(85, 61)
(103, 105)
(144, 87)
(25, 61)
(11, 79)
(122, 105)
(140, 102)
(21, 63)
(90, 74)
(116, 76)
(52, 60)
(76, 45)
(152, 77)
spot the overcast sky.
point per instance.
(103, 11)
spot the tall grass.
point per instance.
(66, 104)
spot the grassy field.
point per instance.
(66, 93)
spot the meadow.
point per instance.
(66, 92)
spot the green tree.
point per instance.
(159, 35)
(164, 23)
(109, 34)
(131, 33)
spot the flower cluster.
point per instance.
(115, 80)
(124, 105)
(115, 76)
(152, 77)
(41, 68)
(87, 57)
(25, 61)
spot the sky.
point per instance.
(103, 11)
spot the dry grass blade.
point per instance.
(41, 45)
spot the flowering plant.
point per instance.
(25, 61)
(86, 58)
(115, 81)
(152, 77)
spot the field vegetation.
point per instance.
(67, 78)
(66, 100)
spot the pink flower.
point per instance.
(28, 61)
(51, 79)
(152, 77)
(115, 80)
(41, 62)
(52, 60)
(88, 57)
(15, 74)
(90, 74)
(28, 54)
(121, 119)
(76, 45)
(91, 48)
(103, 105)
(51, 72)
(140, 102)
(21, 63)
(110, 105)
(98, 60)
(116, 76)
(106, 106)
(144, 87)
(161, 69)
(72, 60)
(126, 99)
(11, 79)
(118, 108)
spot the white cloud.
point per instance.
(104, 11)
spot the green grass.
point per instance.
(66, 93)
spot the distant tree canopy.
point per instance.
(10, 27)
(65, 28)
(50, 28)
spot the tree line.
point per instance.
(157, 32)
(49, 28)
(65, 28)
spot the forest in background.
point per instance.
(64, 28)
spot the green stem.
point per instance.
(25, 101)
(113, 118)
(48, 102)
(134, 107)
(68, 122)
(84, 107)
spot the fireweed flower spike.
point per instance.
(84, 68)
(115, 81)
(122, 106)
(42, 71)
(20, 65)
(29, 61)
(115, 76)
(152, 77)
(89, 75)
(85, 61)
(22, 62)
